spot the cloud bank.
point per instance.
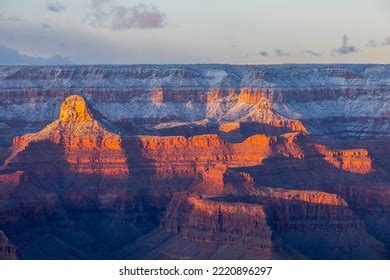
(386, 42)
(375, 43)
(10, 56)
(281, 53)
(313, 53)
(55, 7)
(108, 14)
(264, 54)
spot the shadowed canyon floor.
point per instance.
(245, 180)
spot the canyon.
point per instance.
(195, 162)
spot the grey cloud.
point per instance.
(386, 42)
(345, 47)
(10, 56)
(264, 54)
(55, 7)
(372, 44)
(281, 53)
(84, 47)
(313, 53)
(107, 14)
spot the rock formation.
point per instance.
(87, 147)
(195, 162)
(318, 97)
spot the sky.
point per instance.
(194, 31)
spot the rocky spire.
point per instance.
(74, 109)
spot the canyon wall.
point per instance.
(195, 161)
(239, 219)
(327, 100)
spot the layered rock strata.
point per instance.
(219, 195)
(223, 210)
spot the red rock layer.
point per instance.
(94, 169)
(219, 209)
(297, 145)
(85, 146)
(355, 160)
(179, 154)
(206, 221)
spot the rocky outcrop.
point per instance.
(85, 145)
(221, 223)
(227, 194)
(263, 111)
(298, 146)
(356, 160)
(193, 154)
(229, 127)
(223, 211)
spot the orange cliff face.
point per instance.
(74, 109)
(297, 146)
(258, 98)
(89, 148)
(214, 225)
(85, 145)
(225, 212)
(195, 154)
(353, 160)
(223, 203)
(209, 162)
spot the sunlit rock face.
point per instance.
(227, 208)
(83, 145)
(195, 162)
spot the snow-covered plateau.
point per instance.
(337, 100)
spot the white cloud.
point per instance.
(107, 14)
